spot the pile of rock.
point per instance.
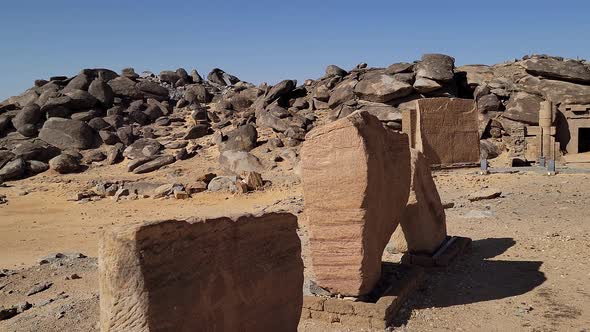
(91, 118)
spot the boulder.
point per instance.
(35, 149)
(114, 154)
(489, 103)
(26, 120)
(401, 67)
(356, 182)
(571, 70)
(242, 138)
(143, 147)
(423, 226)
(81, 100)
(154, 164)
(333, 70)
(169, 76)
(13, 170)
(36, 167)
(197, 131)
(438, 67)
(68, 134)
(220, 77)
(152, 90)
(280, 89)
(523, 107)
(100, 90)
(196, 76)
(381, 88)
(197, 93)
(557, 91)
(79, 82)
(239, 162)
(65, 163)
(243, 273)
(5, 157)
(426, 85)
(125, 88)
(342, 93)
(223, 183)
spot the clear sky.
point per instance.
(272, 40)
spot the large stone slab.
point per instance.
(423, 226)
(571, 70)
(356, 178)
(222, 274)
(446, 130)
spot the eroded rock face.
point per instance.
(423, 225)
(356, 180)
(573, 71)
(240, 274)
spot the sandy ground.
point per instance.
(528, 269)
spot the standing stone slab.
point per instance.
(423, 226)
(447, 130)
(356, 179)
(223, 274)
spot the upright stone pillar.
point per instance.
(356, 183)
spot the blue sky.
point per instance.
(272, 40)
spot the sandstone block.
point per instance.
(356, 179)
(447, 130)
(222, 274)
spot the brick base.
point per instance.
(377, 310)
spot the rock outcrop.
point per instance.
(356, 180)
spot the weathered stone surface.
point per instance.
(447, 130)
(557, 91)
(68, 134)
(280, 89)
(572, 70)
(523, 107)
(225, 274)
(423, 225)
(196, 131)
(356, 182)
(438, 67)
(381, 88)
(223, 183)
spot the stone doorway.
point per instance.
(583, 140)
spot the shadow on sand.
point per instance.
(476, 278)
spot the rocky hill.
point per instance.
(102, 117)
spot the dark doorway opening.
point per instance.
(584, 140)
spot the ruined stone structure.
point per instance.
(356, 180)
(423, 225)
(446, 130)
(577, 137)
(223, 274)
